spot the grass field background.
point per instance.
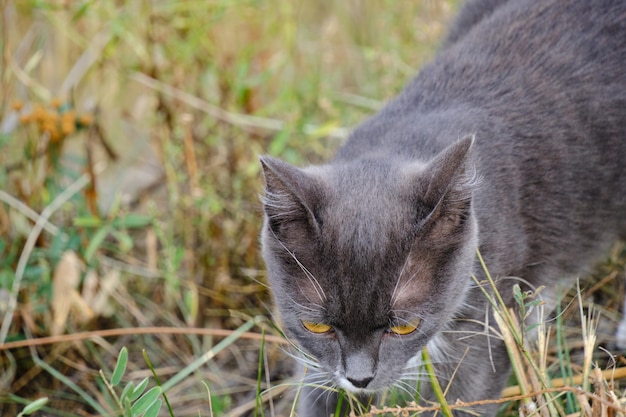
(129, 177)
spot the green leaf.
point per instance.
(125, 242)
(153, 410)
(146, 400)
(141, 387)
(133, 221)
(127, 408)
(95, 242)
(88, 222)
(517, 294)
(34, 406)
(120, 367)
(127, 391)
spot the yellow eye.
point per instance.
(404, 329)
(317, 328)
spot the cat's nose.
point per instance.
(360, 383)
(360, 367)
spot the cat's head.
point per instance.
(368, 260)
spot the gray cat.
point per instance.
(512, 141)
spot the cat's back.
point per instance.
(538, 75)
(472, 12)
(555, 50)
(542, 87)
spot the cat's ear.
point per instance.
(450, 182)
(448, 170)
(291, 196)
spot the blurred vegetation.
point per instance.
(129, 175)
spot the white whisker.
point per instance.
(395, 294)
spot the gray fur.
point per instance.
(512, 140)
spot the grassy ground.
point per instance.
(129, 182)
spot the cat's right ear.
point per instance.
(291, 196)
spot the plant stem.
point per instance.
(434, 383)
(193, 366)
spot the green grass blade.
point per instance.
(70, 384)
(259, 400)
(227, 341)
(565, 362)
(434, 383)
(158, 381)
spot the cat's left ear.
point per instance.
(291, 195)
(448, 172)
(449, 184)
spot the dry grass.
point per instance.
(129, 138)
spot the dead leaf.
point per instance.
(108, 284)
(65, 295)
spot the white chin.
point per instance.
(346, 385)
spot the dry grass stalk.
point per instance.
(609, 374)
